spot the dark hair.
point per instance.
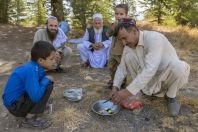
(41, 49)
(123, 6)
(126, 23)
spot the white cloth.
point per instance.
(153, 64)
(97, 58)
(60, 38)
(97, 15)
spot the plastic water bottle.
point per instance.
(50, 106)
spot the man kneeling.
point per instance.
(28, 88)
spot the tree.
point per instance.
(185, 12)
(83, 11)
(155, 8)
(57, 9)
(4, 11)
(17, 11)
(41, 14)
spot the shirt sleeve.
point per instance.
(121, 72)
(35, 87)
(107, 42)
(86, 39)
(152, 62)
(37, 37)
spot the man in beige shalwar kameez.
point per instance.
(153, 64)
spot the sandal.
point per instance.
(35, 123)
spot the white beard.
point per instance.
(98, 31)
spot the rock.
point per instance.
(82, 127)
(88, 78)
(4, 114)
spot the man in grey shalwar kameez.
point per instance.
(57, 38)
(153, 64)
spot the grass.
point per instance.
(183, 37)
(70, 114)
(71, 117)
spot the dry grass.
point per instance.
(157, 103)
(188, 101)
(182, 36)
(71, 117)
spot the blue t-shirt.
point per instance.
(29, 78)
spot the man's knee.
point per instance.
(67, 51)
(80, 47)
(179, 69)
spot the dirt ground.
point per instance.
(15, 44)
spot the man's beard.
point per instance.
(98, 31)
(52, 35)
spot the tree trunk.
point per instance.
(4, 11)
(40, 12)
(159, 14)
(57, 9)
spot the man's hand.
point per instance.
(50, 78)
(100, 45)
(57, 57)
(119, 96)
(94, 46)
(113, 91)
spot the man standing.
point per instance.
(153, 64)
(57, 38)
(94, 49)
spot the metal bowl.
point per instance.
(105, 108)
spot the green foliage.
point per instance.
(57, 9)
(41, 13)
(168, 12)
(183, 11)
(4, 11)
(83, 11)
(155, 9)
(16, 11)
(169, 21)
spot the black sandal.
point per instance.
(35, 123)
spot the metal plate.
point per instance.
(101, 107)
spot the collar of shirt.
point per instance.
(60, 38)
(141, 39)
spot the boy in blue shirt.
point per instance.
(28, 88)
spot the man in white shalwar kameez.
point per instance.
(152, 62)
(94, 49)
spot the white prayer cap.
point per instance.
(97, 15)
(50, 17)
